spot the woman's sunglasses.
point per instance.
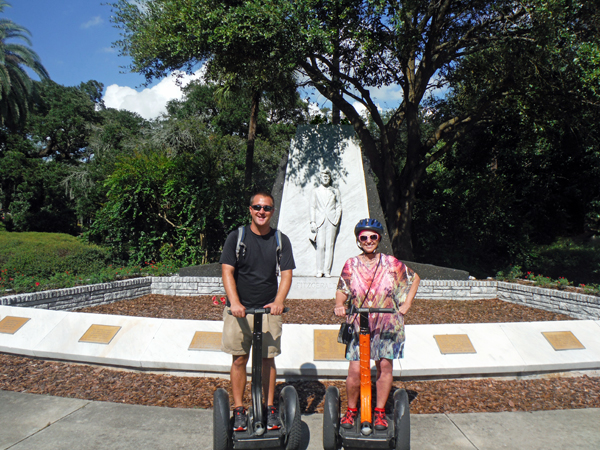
(373, 237)
(267, 208)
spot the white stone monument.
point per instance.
(314, 150)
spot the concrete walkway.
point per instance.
(39, 422)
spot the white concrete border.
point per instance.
(502, 349)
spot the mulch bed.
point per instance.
(321, 311)
(23, 374)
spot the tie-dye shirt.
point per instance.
(390, 286)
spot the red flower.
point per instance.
(37, 283)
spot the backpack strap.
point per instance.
(278, 251)
(240, 246)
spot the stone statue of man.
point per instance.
(325, 213)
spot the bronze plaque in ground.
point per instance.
(562, 340)
(327, 348)
(11, 324)
(206, 340)
(100, 334)
(454, 343)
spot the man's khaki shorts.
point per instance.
(237, 334)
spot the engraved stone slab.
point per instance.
(454, 343)
(562, 340)
(206, 340)
(100, 334)
(11, 324)
(327, 348)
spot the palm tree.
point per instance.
(16, 87)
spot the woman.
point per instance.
(375, 280)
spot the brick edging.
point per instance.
(576, 305)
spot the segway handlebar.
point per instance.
(259, 310)
(369, 310)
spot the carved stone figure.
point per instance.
(325, 214)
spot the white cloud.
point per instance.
(360, 109)
(94, 21)
(151, 102)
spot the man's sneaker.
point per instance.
(380, 422)
(240, 419)
(348, 420)
(273, 422)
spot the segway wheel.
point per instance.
(331, 419)
(289, 409)
(402, 420)
(221, 421)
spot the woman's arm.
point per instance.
(340, 303)
(404, 307)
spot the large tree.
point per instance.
(61, 121)
(16, 87)
(236, 71)
(346, 48)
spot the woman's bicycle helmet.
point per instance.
(368, 224)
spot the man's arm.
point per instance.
(338, 206)
(237, 309)
(312, 211)
(284, 287)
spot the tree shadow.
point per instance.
(322, 147)
(310, 394)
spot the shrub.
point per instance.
(510, 274)
(43, 255)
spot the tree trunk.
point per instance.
(335, 110)
(401, 190)
(251, 140)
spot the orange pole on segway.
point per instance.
(365, 377)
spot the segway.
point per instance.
(363, 434)
(257, 436)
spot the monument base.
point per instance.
(205, 270)
(317, 288)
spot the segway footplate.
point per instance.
(248, 440)
(352, 438)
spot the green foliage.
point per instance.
(590, 289)
(488, 51)
(577, 259)
(61, 122)
(547, 282)
(169, 203)
(592, 217)
(15, 283)
(43, 255)
(34, 197)
(530, 173)
(512, 273)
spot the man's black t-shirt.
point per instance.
(255, 272)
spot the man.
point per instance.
(325, 213)
(250, 281)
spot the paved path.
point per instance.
(39, 422)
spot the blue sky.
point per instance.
(73, 39)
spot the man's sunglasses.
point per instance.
(267, 208)
(373, 237)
